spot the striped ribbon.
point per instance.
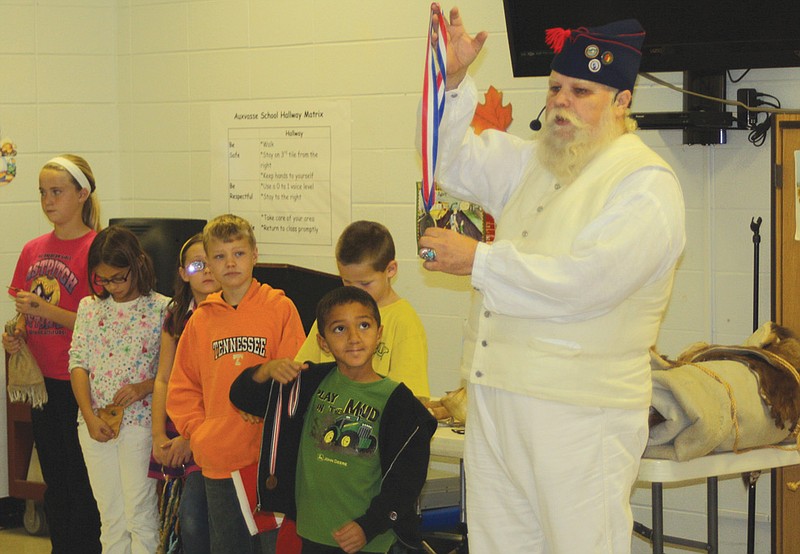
(433, 105)
(294, 395)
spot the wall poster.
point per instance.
(285, 167)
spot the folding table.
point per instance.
(709, 467)
(448, 444)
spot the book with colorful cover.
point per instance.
(448, 212)
(245, 481)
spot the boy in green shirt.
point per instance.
(361, 455)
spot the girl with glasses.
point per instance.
(49, 281)
(113, 362)
(172, 456)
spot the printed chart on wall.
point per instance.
(285, 167)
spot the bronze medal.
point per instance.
(272, 482)
(424, 222)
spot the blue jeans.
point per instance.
(228, 530)
(193, 512)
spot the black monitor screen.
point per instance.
(703, 35)
(162, 240)
(304, 286)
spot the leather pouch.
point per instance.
(112, 415)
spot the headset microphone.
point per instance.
(536, 124)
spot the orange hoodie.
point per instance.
(218, 343)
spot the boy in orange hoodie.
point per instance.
(245, 324)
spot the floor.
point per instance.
(13, 536)
(18, 541)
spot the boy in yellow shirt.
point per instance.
(365, 256)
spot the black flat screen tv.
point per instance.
(702, 35)
(304, 286)
(162, 239)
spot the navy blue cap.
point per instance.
(609, 54)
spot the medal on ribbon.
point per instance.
(433, 97)
(294, 395)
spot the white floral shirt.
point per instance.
(118, 343)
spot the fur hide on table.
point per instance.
(726, 398)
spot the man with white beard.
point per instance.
(569, 297)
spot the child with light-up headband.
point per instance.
(171, 453)
(49, 281)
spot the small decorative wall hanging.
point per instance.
(8, 162)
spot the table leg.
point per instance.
(657, 493)
(463, 499)
(712, 516)
(750, 479)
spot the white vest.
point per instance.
(600, 361)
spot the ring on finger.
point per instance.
(427, 254)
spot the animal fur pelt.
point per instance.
(773, 354)
(715, 397)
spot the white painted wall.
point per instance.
(129, 85)
(58, 93)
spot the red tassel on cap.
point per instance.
(555, 38)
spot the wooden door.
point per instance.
(785, 307)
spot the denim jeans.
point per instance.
(193, 513)
(228, 530)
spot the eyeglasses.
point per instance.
(103, 282)
(195, 267)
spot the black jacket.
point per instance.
(403, 441)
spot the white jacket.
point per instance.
(572, 291)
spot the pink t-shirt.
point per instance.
(57, 271)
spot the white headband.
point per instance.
(74, 170)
